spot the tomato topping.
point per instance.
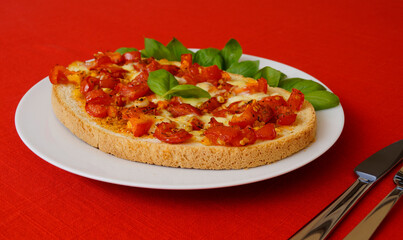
(222, 135)
(58, 74)
(112, 111)
(213, 122)
(245, 137)
(262, 85)
(211, 74)
(178, 110)
(153, 66)
(220, 112)
(274, 102)
(248, 117)
(98, 97)
(134, 56)
(108, 82)
(171, 69)
(236, 107)
(118, 100)
(115, 57)
(197, 124)
(88, 84)
(296, 100)
(210, 105)
(136, 89)
(96, 110)
(167, 132)
(265, 112)
(186, 61)
(140, 124)
(285, 116)
(267, 132)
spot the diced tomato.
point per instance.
(118, 100)
(58, 75)
(219, 112)
(248, 117)
(236, 107)
(211, 74)
(210, 105)
(274, 102)
(88, 84)
(213, 122)
(132, 92)
(141, 78)
(115, 57)
(171, 69)
(167, 132)
(222, 135)
(265, 112)
(262, 85)
(178, 110)
(186, 61)
(112, 111)
(197, 124)
(285, 116)
(245, 137)
(98, 97)
(108, 82)
(140, 124)
(267, 132)
(226, 86)
(134, 56)
(296, 100)
(96, 110)
(153, 66)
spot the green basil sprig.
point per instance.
(164, 84)
(245, 68)
(177, 49)
(272, 76)
(322, 99)
(153, 48)
(208, 57)
(226, 59)
(231, 53)
(124, 50)
(314, 92)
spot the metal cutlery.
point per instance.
(367, 227)
(368, 172)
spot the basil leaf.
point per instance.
(322, 99)
(124, 50)
(161, 81)
(245, 68)
(177, 49)
(307, 86)
(231, 53)
(208, 57)
(289, 83)
(153, 48)
(272, 76)
(187, 91)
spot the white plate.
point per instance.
(40, 130)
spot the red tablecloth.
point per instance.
(354, 47)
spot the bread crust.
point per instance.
(290, 140)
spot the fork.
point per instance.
(370, 223)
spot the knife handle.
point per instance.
(320, 226)
(367, 227)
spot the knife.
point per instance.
(367, 227)
(368, 172)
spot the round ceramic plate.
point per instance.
(40, 130)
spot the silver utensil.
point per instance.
(369, 171)
(367, 227)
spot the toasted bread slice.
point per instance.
(290, 139)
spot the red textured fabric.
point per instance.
(354, 47)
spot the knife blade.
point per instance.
(370, 223)
(368, 172)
